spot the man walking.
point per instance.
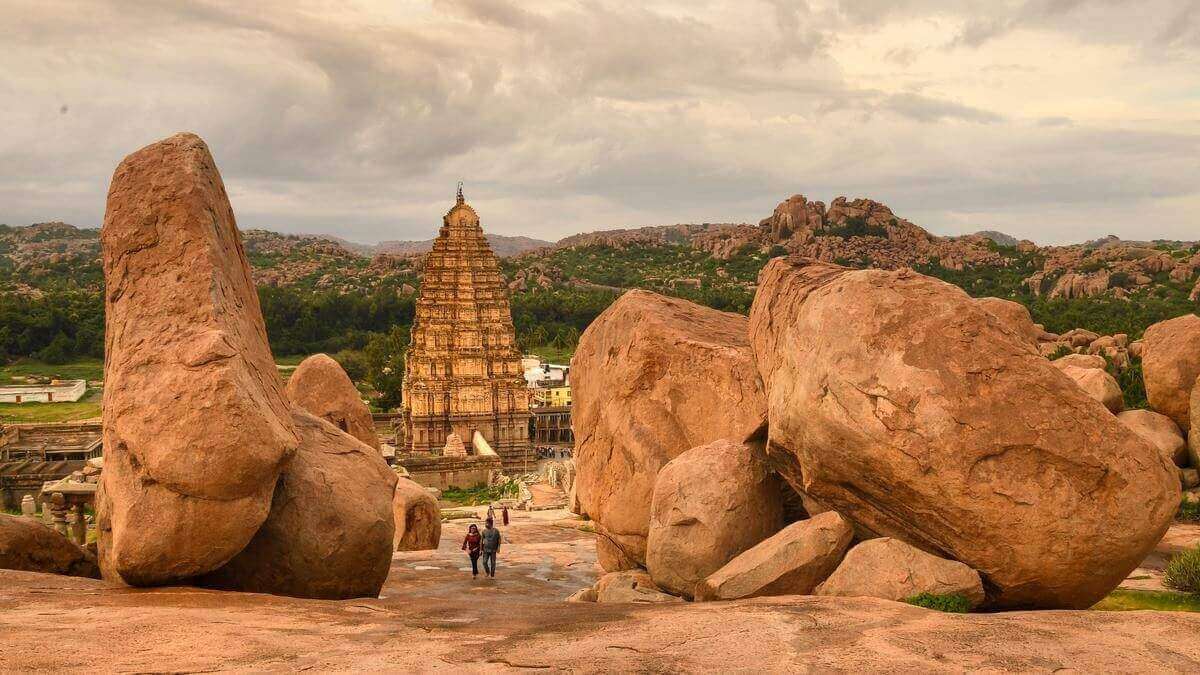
(491, 546)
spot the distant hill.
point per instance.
(503, 246)
(999, 237)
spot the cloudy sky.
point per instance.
(1056, 120)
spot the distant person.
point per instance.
(472, 545)
(491, 546)
(491, 512)
(504, 514)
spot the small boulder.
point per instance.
(330, 531)
(630, 586)
(609, 555)
(1189, 478)
(1170, 363)
(27, 544)
(418, 518)
(710, 504)
(320, 386)
(1159, 430)
(654, 376)
(891, 569)
(1099, 385)
(583, 595)
(791, 562)
(1013, 316)
(1079, 361)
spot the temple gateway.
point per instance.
(463, 387)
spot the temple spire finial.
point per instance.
(460, 194)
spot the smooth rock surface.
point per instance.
(654, 376)
(710, 504)
(630, 586)
(196, 426)
(892, 570)
(330, 530)
(320, 386)
(896, 401)
(27, 544)
(1159, 430)
(1013, 316)
(1079, 361)
(791, 562)
(418, 518)
(1099, 385)
(1170, 363)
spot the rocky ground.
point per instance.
(432, 616)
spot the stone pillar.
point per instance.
(28, 508)
(58, 508)
(78, 525)
(47, 515)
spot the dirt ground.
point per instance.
(431, 616)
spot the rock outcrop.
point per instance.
(1160, 430)
(654, 376)
(196, 426)
(891, 569)
(1013, 316)
(330, 529)
(791, 562)
(710, 504)
(1097, 384)
(894, 399)
(27, 544)
(418, 518)
(1170, 363)
(320, 386)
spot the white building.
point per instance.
(56, 392)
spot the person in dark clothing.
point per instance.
(471, 544)
(490, 546)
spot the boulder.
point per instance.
(320, 386)
(791, 562)
(1013, 316)
(583, 595)
(418, 518)
(891, 569)
(610, 556)
(710, 504)
(896, 401)
(1079, 361)
(654, 376)
(1079, 337)
(1189, 478)
(329, 533)
(1170, 363)
(1159, 430)
(1097, 384)
(630, 586)
(27, 544)
(196, 426)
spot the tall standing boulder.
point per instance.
(330, 530)
(320, 386)
(196, 426)
(908, 409)
(418, 518)
(654, 376)
(710, 504)
(1170, 364)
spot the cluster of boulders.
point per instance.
(865, 432)
(1110, 265)
(214, 475)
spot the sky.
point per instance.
(1053, 120)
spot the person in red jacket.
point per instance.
(472, 545)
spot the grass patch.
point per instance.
(89, 369)
(952, 603)
(87, 407)
(1188, 512)
(480, 494)
(552, 354)
(1183, 572)
(1123, 600)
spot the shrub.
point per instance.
(1183, 572)
(952, 603)
(1189, 512)
(1062, 351)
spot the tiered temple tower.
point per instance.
(462, 371)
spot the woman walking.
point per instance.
(472, 545)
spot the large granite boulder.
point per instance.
(196, 426)
(1013, 316)
(894, 399)
(418, 518)
(710, 504)
(1170, 363)
(654, 376)
(891, 569)
(1159, 430)
(329, 533)
(791, 562)
(27, 544)
(1097, 384)
(320, 386)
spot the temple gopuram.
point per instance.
(462, 379)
